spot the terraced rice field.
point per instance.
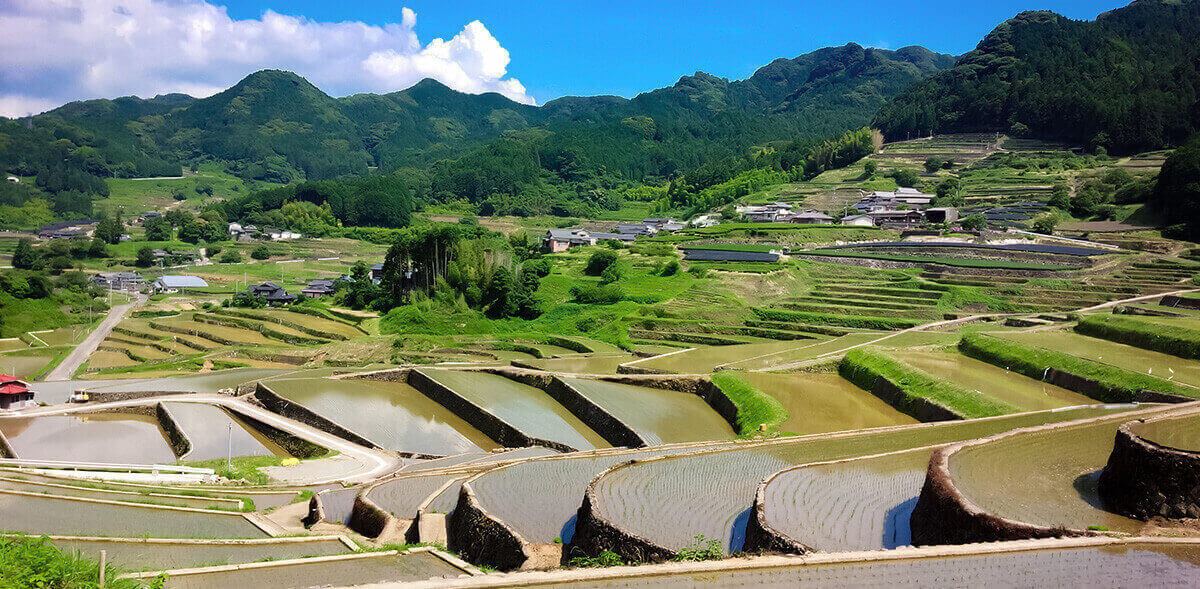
(1149, 565)
(76, 489)
(658, 416)
(1010, 387)
(208, 382)
(45, 514)
(861, 504)
(528, 409)
(23, 365)
(309, 321)
(1157, 364)
(391, 414)
(559, 484)
(402, 496)
(1046, 478)
(1181, 433)
(592, 364)
(214, 433)
(222, 333)
(369, 568)
(823, 402)
(145, 555)
(704, 359)
(127, 438)
(803, 353)
(671, 500)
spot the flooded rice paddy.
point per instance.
(1181, 433)
(993, 381)
(392, 414)
(856, 505)
(596, 364)
(1047, 478)
(67, 517)
(127, 438)
(528, 409)
(1163, 366)
(214, 433)
(669, 501)
(799, 352)
(149, 556)
(657, 415)
(1135, 565)
(824, 402)
(417, 566)
(401, 497)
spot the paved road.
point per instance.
(81, 352)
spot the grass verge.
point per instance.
(35, 563)
(757, 412)
(1168, 339)
(1112, 384)
(865, 366)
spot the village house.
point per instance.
(890, 200)
(768, 213)
(174, 284)
(941, 215)
(625, 237)
(636, 229)
(66, 229)
(807, 216)
(14, 393)
(123, 281)
(893, 218)
(663, 224)
(560, 240)
(273, 293)
(321, 287)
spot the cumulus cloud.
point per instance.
(56, 51)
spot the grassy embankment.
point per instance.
(943, 260)
(865, 366)
(35, 563)
(757, 412)
(1168, 339)
(1115, 384)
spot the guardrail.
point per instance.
(102, 466)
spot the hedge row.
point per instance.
(1113, 385)
(280, 321)
(259, 327)
(866, 366)
(152, 314)
(859, 321)
(1168, 339)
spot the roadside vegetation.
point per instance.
(33, 563)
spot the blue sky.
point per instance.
(624, 47)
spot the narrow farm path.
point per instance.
(75, 359)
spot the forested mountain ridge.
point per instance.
(275, 125)
(1127, 81)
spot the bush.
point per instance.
(865, 366)
(597, 295)
(260, 253)
(905, 178)
(1115, 385)
(35, 563)
(599, 262)
(701, 548)
(1168, 339)
(231, 257)
(670, 268)
(610, 274)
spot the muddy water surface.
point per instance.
(1155, 364)
(104, 437)
(657, 415)
(823, 402)
(213, 433)
(993, 381)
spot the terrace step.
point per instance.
(896, 293)
(847, 310)
(861, 302)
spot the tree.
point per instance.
(1178, 187)
(260, 253)
(870, 168)
(1045, 224)
(110, 229)
(906, 178)
(157, 229)
(599, 262)
(949, 187)
(933, 164)
(24, 256)
(230, 257)
(97, 249)
(501, 298)
(974, 222)
(1060, 196)
(145, 257)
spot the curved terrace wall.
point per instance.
(484, 539)
(1144, 479)
(273, 402)
(760, 536)
(179, 442)
(594, 534)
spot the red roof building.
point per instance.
(14, 393)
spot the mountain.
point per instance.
(275, 125)
(1127, 81)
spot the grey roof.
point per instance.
(182, 281)
(618, 236)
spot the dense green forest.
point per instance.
(1128, 81)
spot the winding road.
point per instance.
(81, 352)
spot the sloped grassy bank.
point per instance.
(1099, 381)
(1168, 339)
(757, 412)
(914, 391)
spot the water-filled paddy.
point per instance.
(1119, 355)
(703, 359)
(597, 364)
(528, 409)
(823, 402)
(370, 569)
(401, 497)
(213, 433)
(657, 415)
(993, 381)
(801, 352)
(670, 501)
(856, 505)
(22, 364)
(208, 382)
(1181, 433)
(97, 437)
(391, 414)
(146, 556)
(66, 517)
(1132, 566)
(1046, 478)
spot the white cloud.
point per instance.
(56, 51)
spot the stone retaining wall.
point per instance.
(484, 539)
(292, 443)
(594, 534)
(6, 450)
(761, 537)
(179, 442)
(271, 401)
(1179, 302)
(493, 427)
(602, 422)
(918, 408)
(1144, 479)
(114, 396)
(316, 512)
(373, 521)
